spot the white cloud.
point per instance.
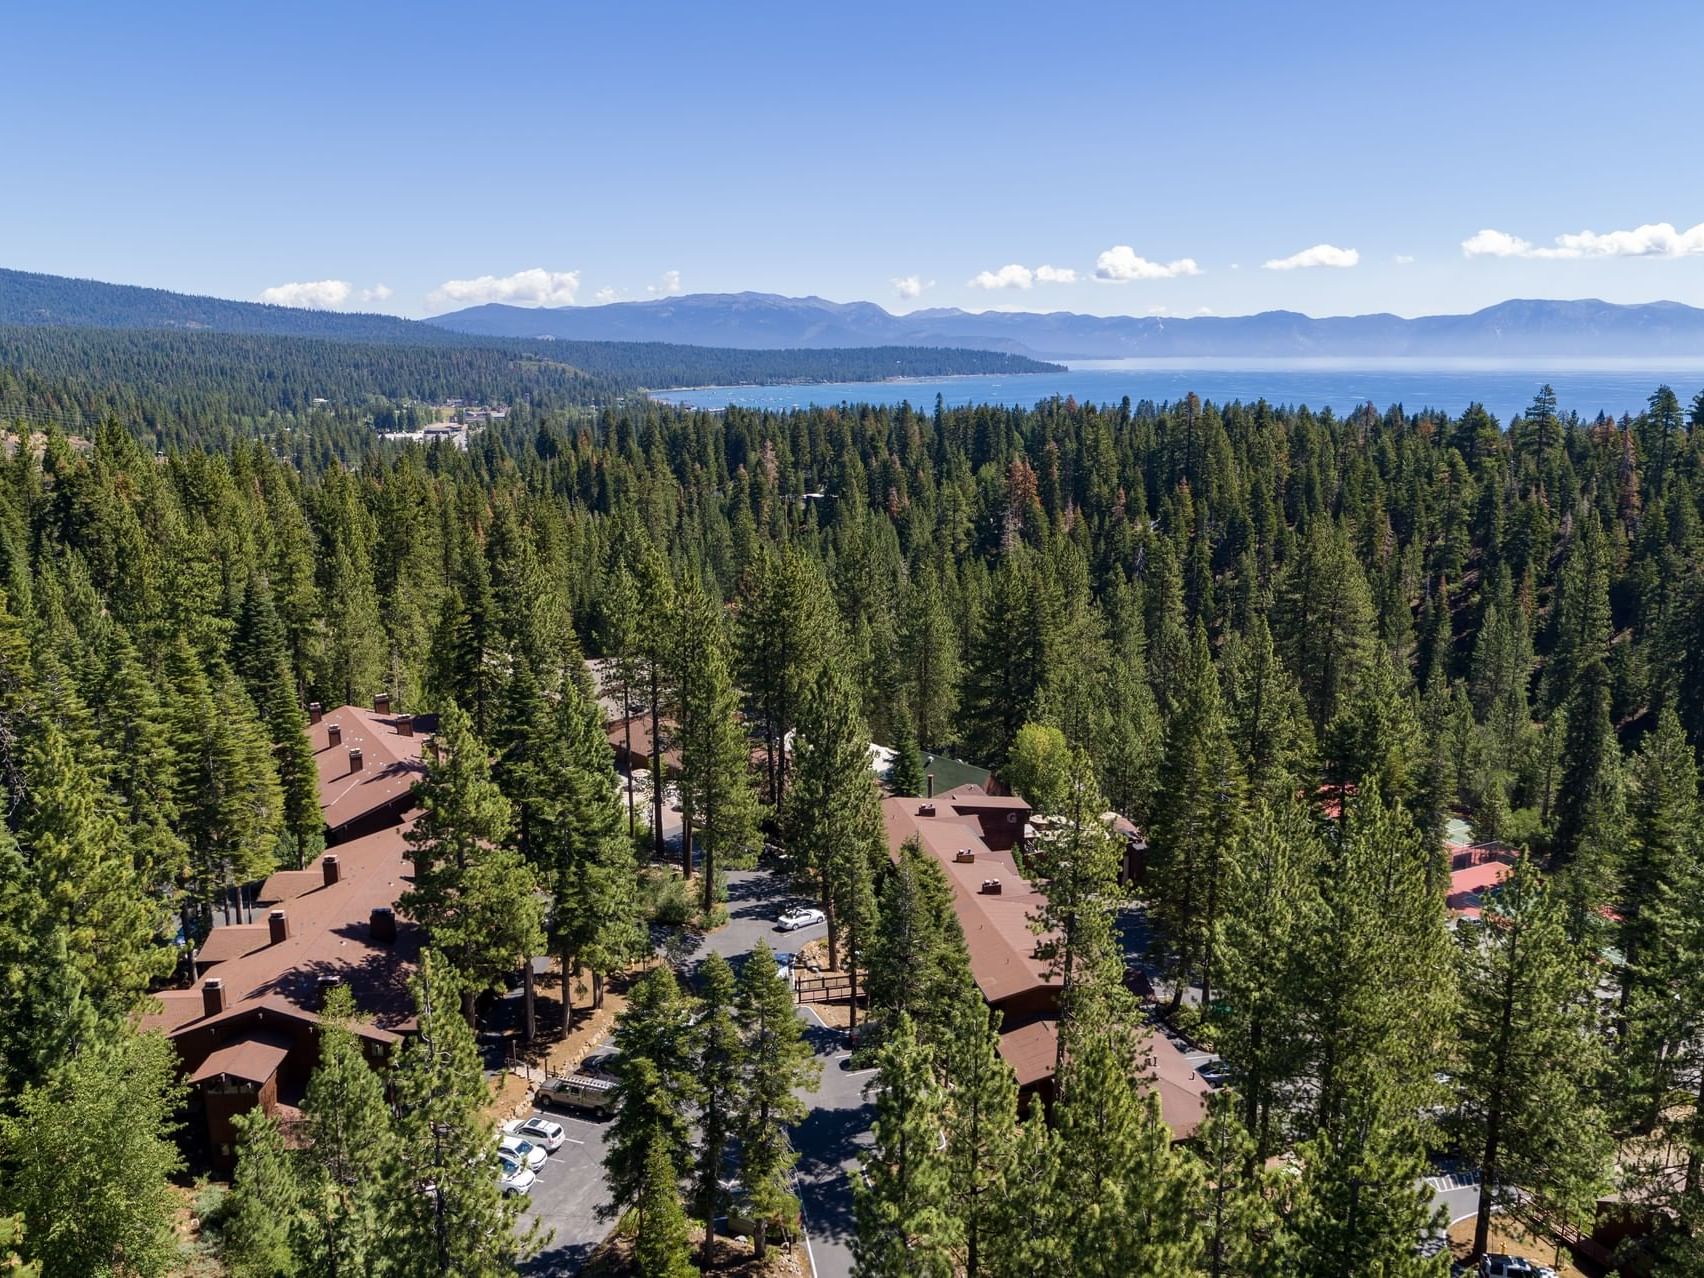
(1490, 243)
(378, 293)
(1120, 264)
(1654, 239)
(1012, 275)
(1009, 276)
(1318, 255)
(1403, 259)
(605, 294)
(533, 287)
(1203, 310)
(910, 286)
(319, 295)
(667, 287)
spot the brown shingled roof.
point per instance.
(231, 942)
(254, 1059)
(996, 927)
(328, 937)
(1032, 1046)
(390, 763)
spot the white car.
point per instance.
(515, 1178)
(799, 916)
(524, 1152)
(539, 1131)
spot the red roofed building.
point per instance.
(971, 833)
(368, 763)
(247, 1029)
(1474, 871)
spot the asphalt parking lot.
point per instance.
(567, 1194)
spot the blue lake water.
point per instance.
(1504, 387)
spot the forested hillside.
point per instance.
(1288, 646)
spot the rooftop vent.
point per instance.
(328, 865)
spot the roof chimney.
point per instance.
(316, 712)
(328, 864)
(991, 887)
(925, 809)
(405, 726)
(930, 778)
(212, 996)
(354, 758)
(326, 985)
(334, 734)
(381, 703)
(964, 856)
(381, 924)
(278, 924)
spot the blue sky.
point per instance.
(417, 157)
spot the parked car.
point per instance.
(579, 1091)
(1497, 1265)
(526, 1153)
(538, 1131)
(515, 1178)
(601, 1065)
(799, 916)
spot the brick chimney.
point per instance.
(334, 734)
(316, 712)
(405, 726)
(328, 864)
(381, 924)
(381, 703)
(212, 996)
(278, 926)
(355, 758)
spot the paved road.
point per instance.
(839, 1122)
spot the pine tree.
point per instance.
(1530, 1062)
(918, 964)
(1265, 717)
(719, 1068)
(1196, 814)
(84, 879)
(1324, 620)
(1006, 663)
(1273, 913)
(785, 630)
(475, 898)
(833, 815)
(264, 664)
(906, 776)
(663, 1246)
(717, 800)
(88, 1155)
(624, 672)
(905, 1223)
(981, 1130)
(655, 1085)
(445, 1212)
(928, 653)
(265, 1201)
(1362, 1204)
(590, 868)
(1233, 1201)
(349, 1134)
(778, 1063)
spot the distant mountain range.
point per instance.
(1548, 329)
(767, 321)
